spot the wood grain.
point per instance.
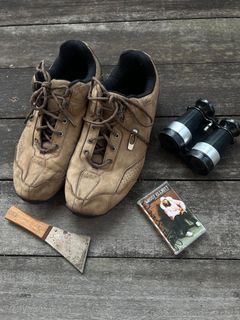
(181, 85)
(125, 231)
(17, 216)
(197, 56)
(16, 12)
(160, 165)
(120, 289)
(207, 40)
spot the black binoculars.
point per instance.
(199, 137)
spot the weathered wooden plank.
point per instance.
(44, 12)
(171, 41)
(159, 163)
(49, 288)
(125, 231)
(181, 85)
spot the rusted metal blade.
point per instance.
(71, 246)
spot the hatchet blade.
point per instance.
(71, 246)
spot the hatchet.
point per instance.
(71, 246)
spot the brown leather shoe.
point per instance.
(53, 126)
(111, 150)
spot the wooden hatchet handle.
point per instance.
(31, 224)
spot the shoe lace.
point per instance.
(39, 102)
(115, 105)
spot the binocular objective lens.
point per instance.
(175, 136)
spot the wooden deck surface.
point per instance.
(130, 273)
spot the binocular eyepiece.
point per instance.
(198, 136)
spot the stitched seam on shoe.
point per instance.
(59, 168)
(32, 186)
(77, 186)
(100, 194)
(143, 159)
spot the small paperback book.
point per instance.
(171, 217)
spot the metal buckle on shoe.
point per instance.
(132, 139)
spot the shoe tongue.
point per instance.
(98, 157)
(46, 145)
(56, 84)
(95, 106)
(97, 109)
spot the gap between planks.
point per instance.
(122, 257)
(115, 21)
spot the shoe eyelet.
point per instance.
(60, 133)
(86, 153)
(65, 121)
(90, 141)
(113, 148)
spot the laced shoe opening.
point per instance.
(109, 112)
(133, 76)
(74, 63)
